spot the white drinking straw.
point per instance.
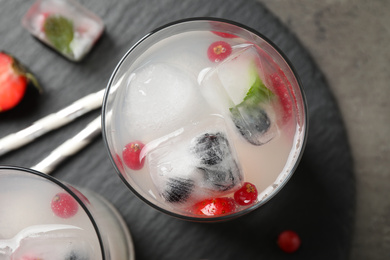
(51, 122)
(69, 147)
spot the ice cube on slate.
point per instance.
(194, 163)
(48, 242)
(235, 88)
(65, 25)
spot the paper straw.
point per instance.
(51, 122)
(69, 147)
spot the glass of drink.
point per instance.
(43, 218)
(204, 119)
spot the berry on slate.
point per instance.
(64, 205)
(246, 195)
(14, 79)
(131, 155)
(218, 51)
(214, 207)
(289, 241)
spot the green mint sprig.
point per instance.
(257, 93)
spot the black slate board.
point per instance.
(318, 202)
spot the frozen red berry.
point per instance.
(118, 162)
(214, 207)
(246, 195)
(289, 241)
(224, 35)
(64, 205)
(218, 51)
(14, 79)
(131, 155)
(280, 89)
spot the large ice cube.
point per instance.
(235, 88)
(56, 242)
(65, 25)
(194, 162)
(160, 98)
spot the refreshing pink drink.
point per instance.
(204, 120)
(40, 218)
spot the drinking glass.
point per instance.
(44, 218)
(204, 119)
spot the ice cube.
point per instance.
(50, 241)
(65, 25)
(216, 159)
(193, 163)
(235, 88)
(159, 99)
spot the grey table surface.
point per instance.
(318, 202)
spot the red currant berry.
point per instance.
(289, 241)
(218, 51)
(131, 155)
(214, 207)
(118, 162)
(224, 35)
(246, 195)
(64, 205)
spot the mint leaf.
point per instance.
(257, 93)
(59, 32)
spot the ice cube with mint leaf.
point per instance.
(253, 116)
(234, 88)
(66, 26)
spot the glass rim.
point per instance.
(305, 119)
(68, 190)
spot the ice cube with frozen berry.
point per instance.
(193, 163)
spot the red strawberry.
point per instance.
(64, 205)
(218, 51)
(214, 207)
(289, 241)
(14, 79)
(131, 155)
(224, 35)
(246, 195)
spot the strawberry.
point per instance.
(214, 207)
(289, 241)
(218, 51)
(14, 79)
(131, 155)
(246, 195)
(64, 205)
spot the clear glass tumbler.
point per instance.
(204, 119)
(43, 218)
